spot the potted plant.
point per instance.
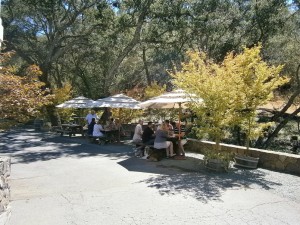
(252, 130)
(217, 161)
(295, 144)
(246, 161)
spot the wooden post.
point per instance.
(179, 118)
(119, 126)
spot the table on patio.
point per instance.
(175, 142)
(112, 135)
(71, 129)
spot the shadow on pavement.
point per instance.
(165, 166)
(26, 146)
(207, 186)
(200, 184)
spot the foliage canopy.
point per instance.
(22, 97)
(231, 90)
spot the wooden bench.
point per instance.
(139, 149)
(97, 140)
(71, 129)
(100, 140)
(62, 132)
(155, 154)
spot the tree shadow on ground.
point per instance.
(27, 145)
(206, 186)
(173, 178)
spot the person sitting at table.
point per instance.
(111, 125)
(137, 139)
(147, 137)
(91, 127)
(160, 141)
(180, 136)
(169, 125)
(148, 134)
(119, 127)
(138, 132)
(90, 116)
(98, 130)
(112, 130)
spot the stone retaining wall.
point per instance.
(4, 190)
(278, 161)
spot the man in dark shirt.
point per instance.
(91, 127)
(148, 134)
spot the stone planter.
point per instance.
(246, 161)
(216, 165)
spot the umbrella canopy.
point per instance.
(177, 99)
(78, 103)
(174, 99)
(117, 101)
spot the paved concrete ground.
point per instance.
(61, 180)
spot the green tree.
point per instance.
(42, 32)
(284, 48)
(103, 47)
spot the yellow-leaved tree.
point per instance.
(255, 82)
(61, 95)
(231, 91)
(206, 79)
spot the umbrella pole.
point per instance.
(119, 126)
(179, 118)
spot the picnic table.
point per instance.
(71, 129)
(174, 140)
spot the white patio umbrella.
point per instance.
(119, 101)
(176, 99)
(78, 103)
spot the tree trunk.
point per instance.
(146, 67)
(134, 41)
(278, 128)
(281, 114)
(218, 146)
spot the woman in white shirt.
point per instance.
(98, 130)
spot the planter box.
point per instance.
(246, 161)
(216, 165)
